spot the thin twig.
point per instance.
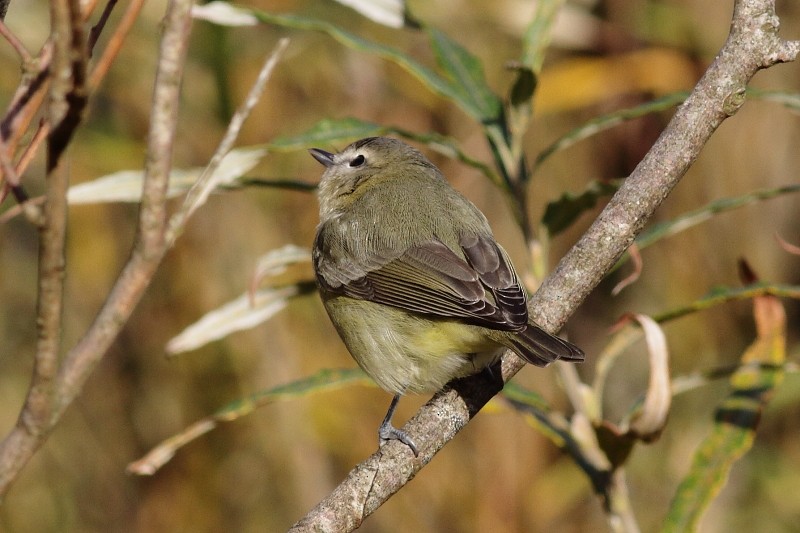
(206, 183)
(27, 99)
(115, 44)
(12, 39)
(97, 29)
(31, 91)
(69, 94)
(11, 176)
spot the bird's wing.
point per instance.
(481, 288)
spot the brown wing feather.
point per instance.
(431, 279)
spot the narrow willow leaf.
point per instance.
(720, 295)
(322, 381)
(465, 74)
(608, 121)
(549, 423)
(387, 12)
(275, 262)
(560, 214)
(790, 100)
(693, 218)
(736, 419)
(126, 185)
(224, 14)
(688, 220)
(339, 131)
(534, 44)
(538, 34)
(327, 132)
(576, 437)
(430, 79)
(244, 312)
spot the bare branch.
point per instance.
(115, 43)
(97, 29)
(34, 420)
(14, 42)
(753, 44)
(17, 448)
(199, 193)
(149, 246)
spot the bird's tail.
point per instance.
(540, 348)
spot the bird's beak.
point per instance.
(326, 158)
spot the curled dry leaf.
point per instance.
(786, 245)
(648, 423)
(636, 258)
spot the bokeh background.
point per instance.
(263, 472)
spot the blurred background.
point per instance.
(263, 472)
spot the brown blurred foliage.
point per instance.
(263, 472)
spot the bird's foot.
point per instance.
(388, 432)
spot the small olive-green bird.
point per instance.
(412, 278)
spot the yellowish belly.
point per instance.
(409, 353)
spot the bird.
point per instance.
(412, 278)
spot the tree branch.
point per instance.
(149, 247)
(752, 44)
(154, 238)
(21, 443)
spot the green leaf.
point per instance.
(333, 131)
(323, 381)
(430, 79)
(523, 88)
(688, 220)
(720, 295)
(327, 132)
(736, 419)
(538, 34)
(610, 120)
(693, 218)
(790, 100)
(560, 214)
(465, 75)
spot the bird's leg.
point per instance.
(388, 432)
(495, 374)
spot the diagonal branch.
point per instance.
(752, 44)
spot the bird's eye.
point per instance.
(357, 161)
